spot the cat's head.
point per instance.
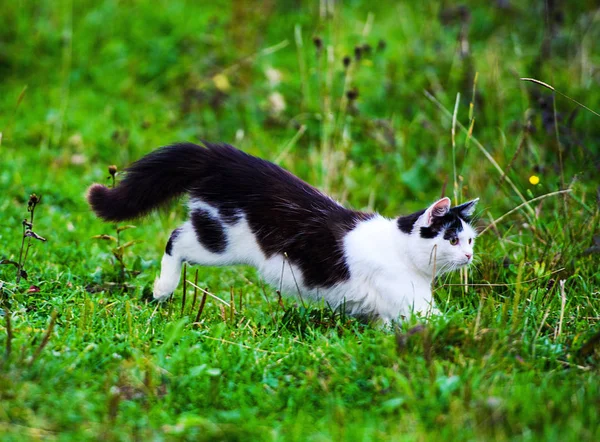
(440, 237)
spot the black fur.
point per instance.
(449, 223)
(173, 237)
(285, 214)
(209, 231)
(407, 223)
(149, 183)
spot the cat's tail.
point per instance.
(150, 182)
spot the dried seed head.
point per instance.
(346, 61)
(318, 43)
(352, 94)
(366, 48)
(381, 45)
(112, 169)
(33, 201)
(357, 53)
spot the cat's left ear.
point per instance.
(437, 209)
(465, 211)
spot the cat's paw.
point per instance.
(161, 292)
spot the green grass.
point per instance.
(88, 84)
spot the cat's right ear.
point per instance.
(437, 209)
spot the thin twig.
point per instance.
(294, 277)
(201, 307)
(508, 284)
(563, 301)
(546, 85)
(526, 203)
(195, 292)
(45, 339)
(539, 330)
(454, 114)
(9, 333)
(208, 293)
(184, 289)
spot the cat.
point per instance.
(245, 210)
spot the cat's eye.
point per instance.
(453, 241)
(470, 240)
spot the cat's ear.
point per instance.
(465, 211)
(436, 210)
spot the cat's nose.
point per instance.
(468, 255)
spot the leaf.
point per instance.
(105, 237)
(24, 274)
(121, 228)
(32, 234)
(8, 261)
(128, 244)
(221, 82)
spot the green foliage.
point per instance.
(515, 356)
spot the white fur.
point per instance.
(390, 271)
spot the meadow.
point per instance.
(384, 105)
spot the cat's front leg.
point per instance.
(167, 282)
(401, 297)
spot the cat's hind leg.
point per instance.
(202, 240)
(170, 268)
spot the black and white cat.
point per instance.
(245, 210)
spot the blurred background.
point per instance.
(88, 83)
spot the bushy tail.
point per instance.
(150, 182)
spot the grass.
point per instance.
(515, 355)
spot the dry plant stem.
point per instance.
(184, 289)
(514, 157)
(454, 148)
(478, 318)
(201, 307)
(20, 266)
(301, 63)
(539, 330)
(9, 333)
(526, 203)
(546, 85)
(560, 162)
(195, 291)
(290, 144)
(231, 304)
(45, 339)
(23, 259)
(563, 302)
(208, 293)
(483, 150)
(294, 277)
(508, 284)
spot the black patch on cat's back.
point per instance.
(173, 237)
(407, 223)
(286, 215)
(209, 231)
